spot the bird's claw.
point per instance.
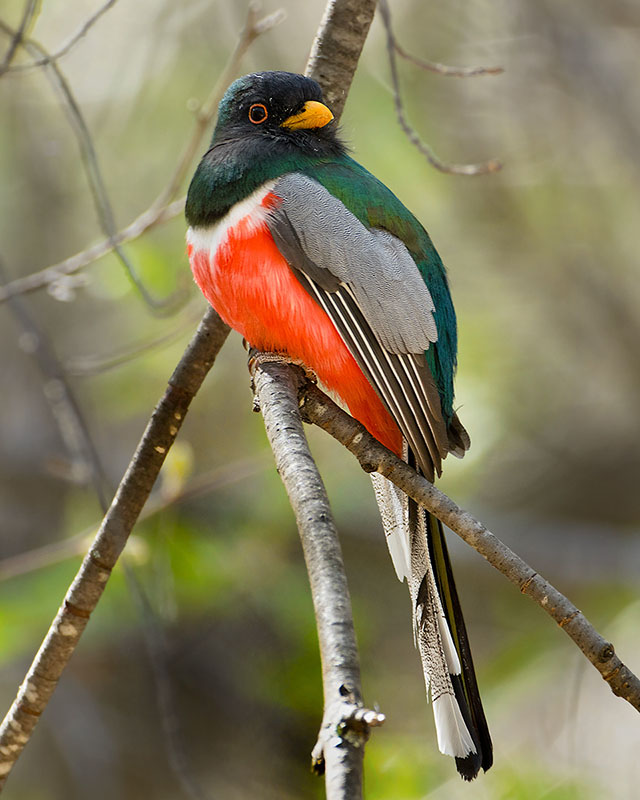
(257, 357)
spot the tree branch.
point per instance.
(90, 581)
(93, 172)
(337, 47)
(374, 457)
(345, 726)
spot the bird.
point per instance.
(310, 257)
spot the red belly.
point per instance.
(255, 292)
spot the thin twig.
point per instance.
(74, 430)
(17, 36)
(346, 723)
(161, 210)
(69, 44)
(443, 166)
(95, 180)
(443, 69)
(90, 581)
(60, 272)
(374, 457)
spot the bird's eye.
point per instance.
(258, 113)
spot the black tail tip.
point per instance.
(470, 766)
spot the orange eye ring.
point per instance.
(258, 113)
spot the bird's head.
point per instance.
(269, 123)
(280, 106)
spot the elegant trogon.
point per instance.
(308, 255)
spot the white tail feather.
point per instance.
(454, 738)
(394, 514)
(450, 652)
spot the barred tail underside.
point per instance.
(418, 549)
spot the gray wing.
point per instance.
(374, 294)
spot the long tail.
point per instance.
(419, 552)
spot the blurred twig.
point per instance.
(74, 430)
(156, 647)
(374, 457)
(56, 273)
(17, 36)
(69, 44)
(77, 437)
(162, 209)
(253, 27)
(392, 48)
(94, 177)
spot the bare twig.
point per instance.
(373, 457)
(74, 430)
(411, 134)
(97, 186)
(58, 273)
(88, 585)
(161, 210)
(69, 44)
(432, 66)
(17, 36)
(443, 69)
(345, 726)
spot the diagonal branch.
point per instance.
(345, 728)
(374, 457)
(57, 274)
(91, 579)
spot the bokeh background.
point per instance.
(198, 675)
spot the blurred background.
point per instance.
(199, 676)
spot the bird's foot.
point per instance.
(257, 357)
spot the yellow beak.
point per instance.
(313, 115)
